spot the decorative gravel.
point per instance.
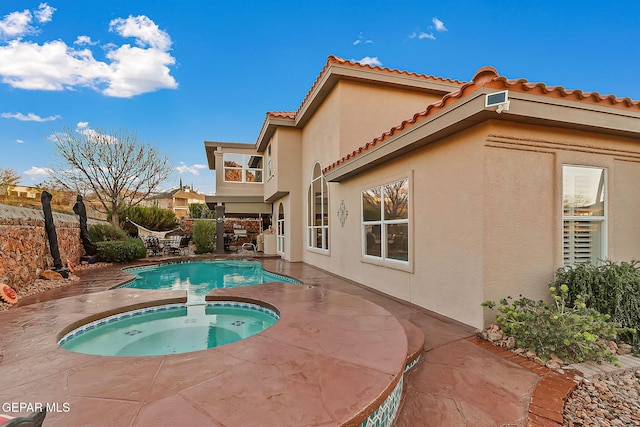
(607, 401)
(41, 285)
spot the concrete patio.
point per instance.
(458, 381)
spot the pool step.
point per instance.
(415, 338)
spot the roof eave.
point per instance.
(372, 76)
(471, 110)
(210, 148)
(269, 128)
(337, 72)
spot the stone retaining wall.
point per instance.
(24, 247)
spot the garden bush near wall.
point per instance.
(572, 332)
(105, 232)
(204, 236)
(121, 250)
(610, 288)
(153, 218)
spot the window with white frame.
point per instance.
(584, 214)
(385, 221)
(269, 167)
(242, 167)
(318, 211)
(280, 229)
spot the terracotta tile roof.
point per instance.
(336, 60)
(489, 77)
(282, 114)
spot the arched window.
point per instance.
(318, 211)
(280, 229)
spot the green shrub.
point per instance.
(610, 288)
(200, 211)
(153, 218)
(574, 333)
(204, 236)
(121, 250)
(105, 233)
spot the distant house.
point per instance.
(27, 196)
(23, 192)
(440, 192)
(178, 200)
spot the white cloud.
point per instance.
(44, 13)
(37, 174)
(20, 141)
(422, 35)
(54, 65)
(16, 24)
(367, 60)
(84, 40)
(439, 25)
(30, 117)
(144, 30)
(135, 71)
(97, 137)
(362, 39)
(192, 169)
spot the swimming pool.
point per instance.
(198, 278)
(170, 329)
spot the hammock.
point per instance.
(143, 231)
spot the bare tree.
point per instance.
(112, 167)
(8, 177)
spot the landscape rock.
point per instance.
(50, 275)
(609, 401)
(624, 348)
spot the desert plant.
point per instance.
(574, 333)
(204, 236)
(609, 288)
(105, 233)
(121, 251)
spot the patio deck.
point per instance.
(456, 382)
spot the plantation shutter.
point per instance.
(584, 214)
(578, 242)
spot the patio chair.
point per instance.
(153, 245)
(34, 420)
(248, 248)
(184, 245)
(173, 245)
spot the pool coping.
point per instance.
(297, 333)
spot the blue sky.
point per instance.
(182, 72)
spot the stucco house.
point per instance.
(446, 193)
(177, 199)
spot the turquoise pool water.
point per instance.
(198, 278)
(170, 329)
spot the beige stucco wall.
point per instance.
(624, 224)
(486, 214)
(486, 208)
(445, 269)
(350, 116)
(523, 203)
(369, 111)
(286, 149)
(294, 227)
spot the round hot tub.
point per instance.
(170, 329)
